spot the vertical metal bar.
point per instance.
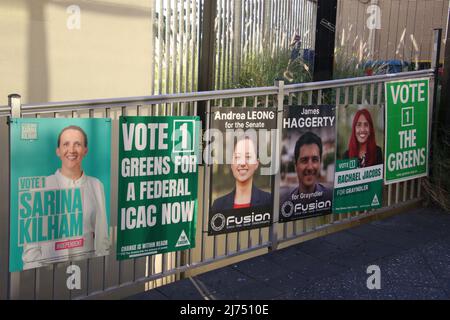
(237, 39)
(226, 73)
(152, 48)
(346, 100)
(168, 44)
(231, 39)
(160, 45)
(254, 27)
(419, 188)
(433, 122)
(289, 22)
(206, 194)
(251, 22)
(397, 192)
(372, 94)
(278, 29)
(287, 4)
(260, 26)
(380, 87)
(184, 9)
(244, 32)
(355, 95)
(363, 94)
(15, 105)
(302, 17)
(194, 49)
(380, 92)
(337, 103)
(188, 50)
(355, 101)
(174, 53)
(273, 232)
(218, 39)
(7, 281)
(164, 263)
(405, 189)
(180, 45)
(108, 115)
(126, 267)
(225, 46)
(389, 202)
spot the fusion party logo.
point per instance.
(218, 222)
(239, 221)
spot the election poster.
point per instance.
(60, 190)
(407, 130)
(358, 181)
(307, 161)
(158, 176)
(242, 168)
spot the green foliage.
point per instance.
(351, 66)
(262, 69)
(437, 186)
(347, 67)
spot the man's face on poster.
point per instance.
(71, 149)
(245, 161)
(308, 165)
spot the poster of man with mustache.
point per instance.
(307, 161)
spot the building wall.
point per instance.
(43, 60)
(406, 31)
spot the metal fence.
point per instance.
(105, 277)
(248, 29)
(243, 29)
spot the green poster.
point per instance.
(358, 181)
(60, 182)
(158, 175)
(407, 130)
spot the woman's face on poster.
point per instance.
(362, 129)
(245, 161)
(71, 149)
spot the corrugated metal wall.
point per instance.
(406, 31)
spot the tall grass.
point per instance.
(262, 69)
(437, 185)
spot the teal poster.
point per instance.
(158, 182)
(358, 181)
(60, 190)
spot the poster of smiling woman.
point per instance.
(359, 164)
(241, 180)
(60, 182)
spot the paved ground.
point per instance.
(412, 250)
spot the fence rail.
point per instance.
(107, 277)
